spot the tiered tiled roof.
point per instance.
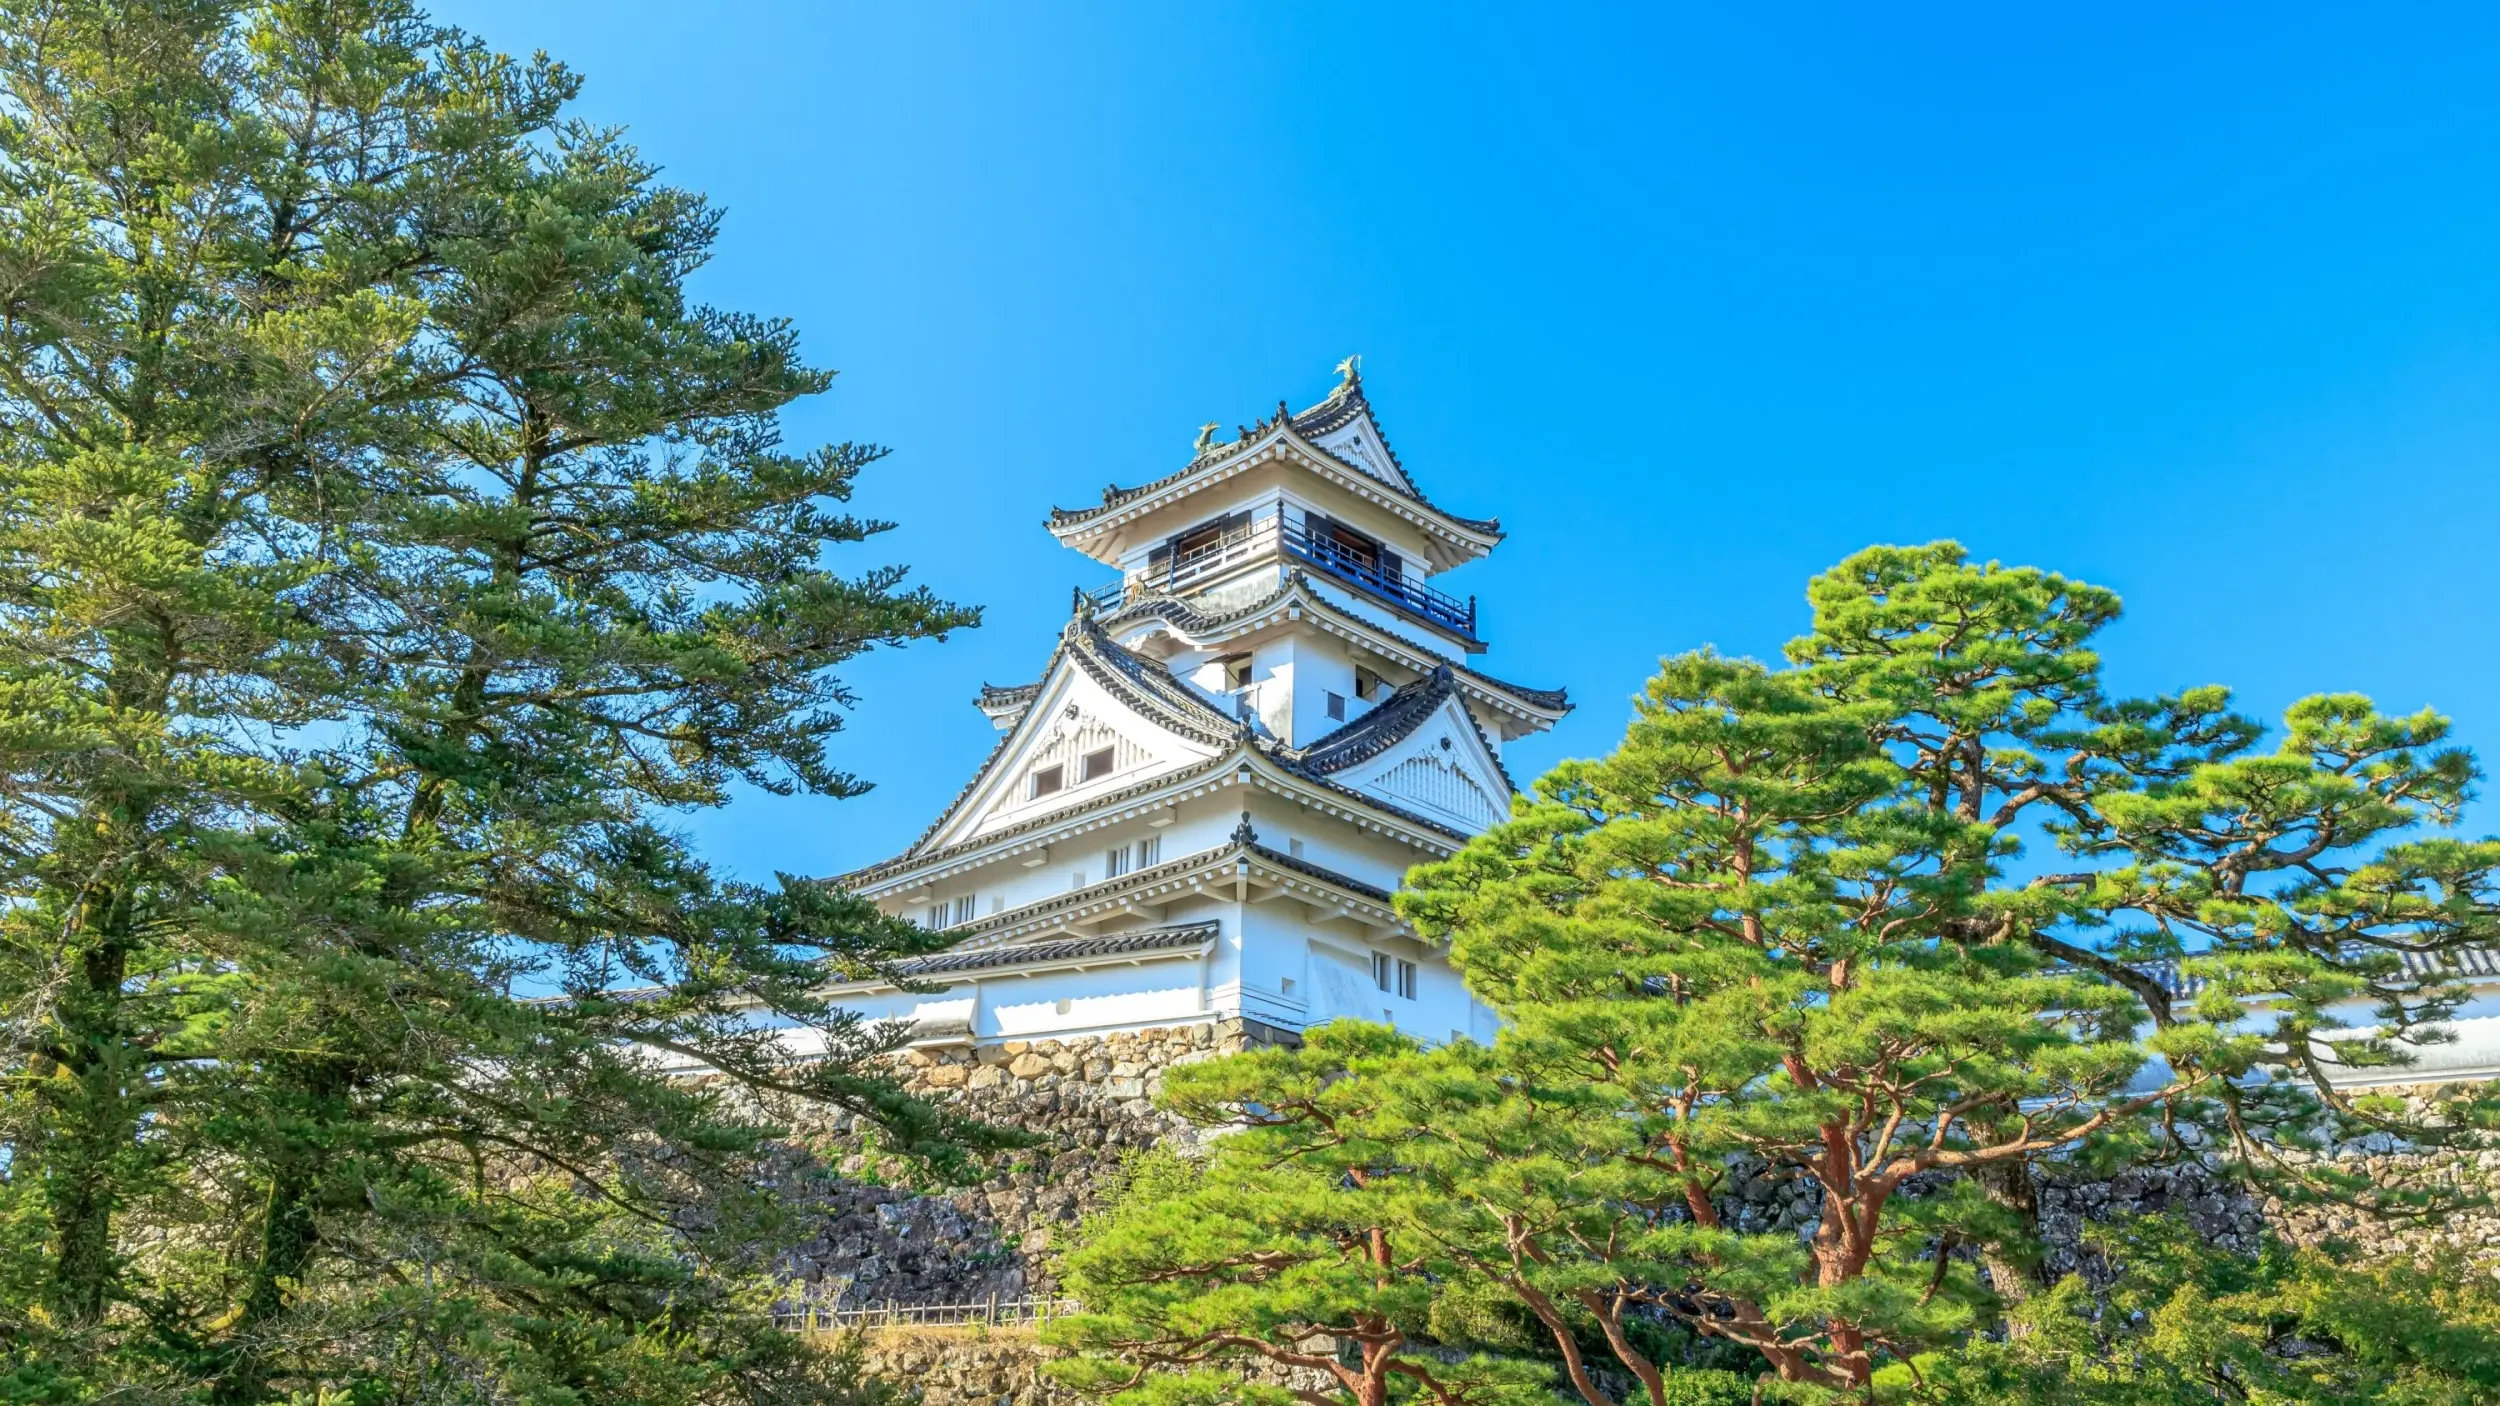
(1140, 683)
(1189, 620)
(993, 698)
(2451, 964)
(1181, 936)
(1392, 722)
(1341, 406)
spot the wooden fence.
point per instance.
(993, 1312)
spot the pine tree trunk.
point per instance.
(2012, 1271)
(82, 1159)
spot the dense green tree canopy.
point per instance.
(1889, 927)
(389, 546)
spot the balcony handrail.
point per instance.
(1186, 569)
(994, 1312)
(1436, 606)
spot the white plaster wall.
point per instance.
(1198, 825)
(1331, 843)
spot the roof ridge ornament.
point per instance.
(1350, 371)
(1206, 437)
(1242, 833)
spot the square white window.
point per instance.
(1049, 779)
(1098, 764)
(1294, 848)
(1336, 706)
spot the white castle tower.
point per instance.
(1198, 811)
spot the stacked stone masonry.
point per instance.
(1090, 1101)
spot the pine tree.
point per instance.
(1885, 928)
(1786, 926)
(1279, 1258)
(389, 548)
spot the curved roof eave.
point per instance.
(1342, 406)
(1546, 704)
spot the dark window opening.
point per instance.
(1237, 672)
(1367, 685)
(1097, 764)
(1345, 545)
(1049, 779)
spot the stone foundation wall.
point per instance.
(1090, 1101)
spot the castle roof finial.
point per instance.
(1242, 833)
(1206, 437)
(1350, 370)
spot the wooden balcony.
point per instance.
(1333, 559)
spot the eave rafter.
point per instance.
(1467, 539)
(1300, 599)
(1230, 871)
(1243, 767)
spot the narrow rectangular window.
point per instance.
(1237, 672)
(1381, 968)
(937, 916)
(963, 910)
(1115, 861)
(1406, 980)
(1149, 851)
(1049, 779)
(1366, 684)
(1336, 706)
(1098, 764)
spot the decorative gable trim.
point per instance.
(1141, 686)
(1299, 598)
(1290, 436)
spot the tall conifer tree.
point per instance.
(1889, 928)
(389, 547)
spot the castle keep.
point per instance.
(1197, 812)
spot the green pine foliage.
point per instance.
(1277, 1270)
(1879, 927)
(390, 548)
(2184, 1322)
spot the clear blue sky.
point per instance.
(1697, 300)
